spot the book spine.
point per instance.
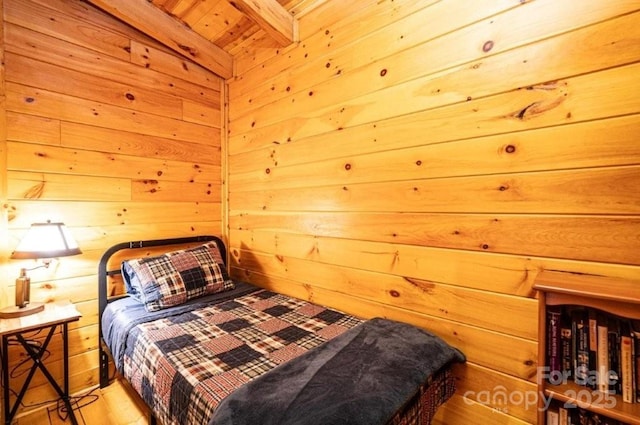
(554, 352)
(635, 368)
(593, 348)
(583, 417)
(614, 357)
(626, 363)
(603, 356)
(563, 415)
(636, 363)
(565, 345)
(553, 417)
(581, 348)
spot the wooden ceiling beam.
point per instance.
(274, 19)
(157, 24)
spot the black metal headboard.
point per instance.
(104, 273)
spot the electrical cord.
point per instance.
(19, 370)
(15, 372)
(77, 403)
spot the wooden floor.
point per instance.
(108, 406)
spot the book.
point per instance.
(553, 417)
(603, 355)
(626, 363)
(554, 352)
(635, 330)
(565, 345)
(572, 413)
(593, 347)
(613, 379)
(583, 417)
(580, 346)
(589, 418)
(563, 416)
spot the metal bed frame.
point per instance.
(103, 273)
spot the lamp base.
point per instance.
(15, 311)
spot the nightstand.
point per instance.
(13, 330)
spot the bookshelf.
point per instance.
(613, 296)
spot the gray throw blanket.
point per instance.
(361, 377)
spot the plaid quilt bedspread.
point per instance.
(183, 366)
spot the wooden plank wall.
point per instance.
(424, 160)
(112, 134)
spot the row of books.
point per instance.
(573, 415)
(594, 349)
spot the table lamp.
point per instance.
(43, 241)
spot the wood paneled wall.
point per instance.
(424, 160)
(109, 132)
(420, 160)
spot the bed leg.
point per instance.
(152, 419)
(104, 368)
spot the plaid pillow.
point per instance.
(176, 277)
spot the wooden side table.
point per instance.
(53, 315)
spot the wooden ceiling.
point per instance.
(211, 32)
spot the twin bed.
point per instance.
(201, 348)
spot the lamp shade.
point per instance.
(46, 240)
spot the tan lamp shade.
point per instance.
(43, 241)
(46, 240)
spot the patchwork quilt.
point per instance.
(184, 365)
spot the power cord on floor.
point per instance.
(18, 370)
(76, 402)
(15, 371)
